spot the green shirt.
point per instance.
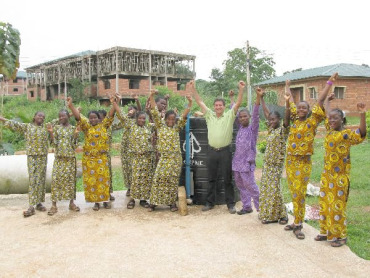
(220, 130)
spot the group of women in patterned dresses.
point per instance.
(153, 179)
(140, 168)
(299, 149)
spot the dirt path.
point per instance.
(136, 243)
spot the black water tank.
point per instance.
(198, 161)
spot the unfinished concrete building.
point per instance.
(122, 70)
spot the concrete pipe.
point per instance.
(14, 174)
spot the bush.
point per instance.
(261, 146)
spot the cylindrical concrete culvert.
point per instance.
(14, 174)
(198, 163)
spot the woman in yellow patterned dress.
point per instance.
(335, 180)
(36, 136)
(96, 175)
(63, 183)
(140, 151)
(299, 151)
(166, 177)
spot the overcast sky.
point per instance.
(299, 34)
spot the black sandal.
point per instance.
(338, 242)
(283, 221)
(151, 207)
(173, 208)
(131, 204)
(320, 238)
(289, 227)
(298, 233)
(144, 204)
(268, 222)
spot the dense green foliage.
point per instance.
(10, 42)
(235, 69)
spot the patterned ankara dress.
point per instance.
(272, 207)
(335, 182)
(166, 178)
(96, 176)
(37, 154)
(298, 160)
(140, 151)
(63, 182)
(125, 155)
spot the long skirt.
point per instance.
(126, 167)
(298, 170)
(110, 173)
(96, 178)
(63, 183)
(37, 174)
(142, 175)
(333, 204)
(166, 179)
(272, 207)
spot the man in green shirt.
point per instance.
(220, 134)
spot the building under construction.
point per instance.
(122, 70)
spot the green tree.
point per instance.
(77, 90)
(9, 50)
(235, 68)
(10, 42)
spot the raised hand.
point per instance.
(166, 97)
(79, 109)
(78, 129)
(361, 107)
(260, 92)
(287, 83)
(49, 127)
(241, 85)
(135, 97)
(153, 92)
(334, 77)
(188, 97)
(331, 97)
(231, 93)
(69, 101)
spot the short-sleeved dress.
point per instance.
(298, 160)
(63, 183)
(335, 181)
(96, 175)
(166, 177)
(140, 150)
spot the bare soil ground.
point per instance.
(137, 243)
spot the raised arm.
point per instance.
(197, 98)
(288, 91)
(287, 97)
(113, 99)
(325, 92)
(74, 110)
(265, 109)
(49, 128)
(259, 97)
(327, 104)
(240, 96)
(151, 99)
(362, 109)
(138, 104)
(187, 110)
(231, 96)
